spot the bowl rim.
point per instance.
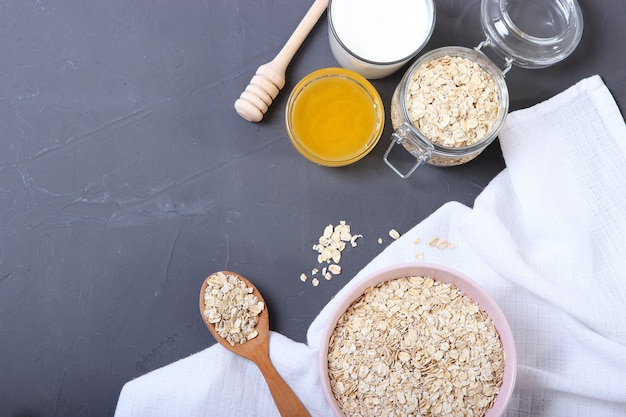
(439, 273)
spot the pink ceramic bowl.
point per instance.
(438, 273)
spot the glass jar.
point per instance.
(525, 33)
(377, 37)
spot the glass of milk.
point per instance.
(377, 37)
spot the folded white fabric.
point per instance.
(545, 239)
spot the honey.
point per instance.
(334, 117)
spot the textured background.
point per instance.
(126, 177)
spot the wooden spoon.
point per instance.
(257, 350)
(270, 77)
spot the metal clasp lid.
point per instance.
(413, 144)
(508, 61)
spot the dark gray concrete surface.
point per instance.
(126, 177)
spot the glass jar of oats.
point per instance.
(452, 102)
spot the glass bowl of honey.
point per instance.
(334, 117)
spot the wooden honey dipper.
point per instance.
(270, 77)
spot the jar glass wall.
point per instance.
(410, 132)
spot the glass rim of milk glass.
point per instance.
(375, 38)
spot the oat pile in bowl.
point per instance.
(415, 346)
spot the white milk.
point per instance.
(377, 37)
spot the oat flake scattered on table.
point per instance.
(329, 248)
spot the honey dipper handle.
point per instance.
(286, 400)
(284, 57)
(270, 77)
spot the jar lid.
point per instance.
(532, 33)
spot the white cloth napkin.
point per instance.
(546, 238)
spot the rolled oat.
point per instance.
(415, 347)
(329, 247)
(231, 306)
(452, 101)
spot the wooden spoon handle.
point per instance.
(286, 400)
